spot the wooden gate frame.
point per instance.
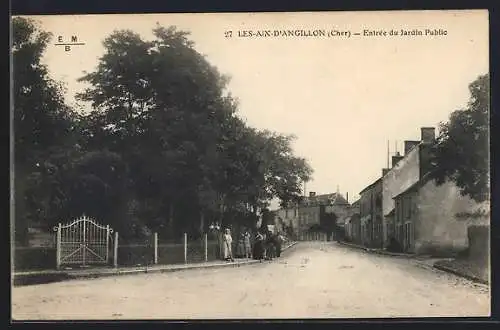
(98, 234)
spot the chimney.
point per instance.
(396, 158)
(428, 134)
(410, 145)
(347, 197)
(384, 171)
(312, 194)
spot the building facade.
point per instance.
(289, 218)
(426, 218)
(353, 225)
(316, 212)
(406, 171)
(371, 215)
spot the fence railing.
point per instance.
(313, 236)
(152, 250)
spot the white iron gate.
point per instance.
(83, 242)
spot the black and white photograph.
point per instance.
(285, 165)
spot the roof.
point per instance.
(404, 156)
(371, 185)
(414, 187)
(391, 212)
(328, 199)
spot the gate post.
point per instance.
(107, 244)
(206, 246)
(155, 246)
(185, 247)
(115, 254)
(84, 246)
(58, 246)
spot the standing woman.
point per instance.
(240, 247)
(270, 247)
(247, 244)
(227, 247)
(258, 248)
(278, 243)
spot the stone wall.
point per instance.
(437, 228)
(479, 246)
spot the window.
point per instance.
(398, 210)
(407, 207)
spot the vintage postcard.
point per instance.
(300, 165)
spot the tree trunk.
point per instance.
(170, 225)
(221, 211)
(202, 222)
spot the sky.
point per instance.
(343, 97)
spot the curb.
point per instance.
(351, 245)
(460, 274)
(377, 251)
(392, 254)
(436, 266)
(45, 277)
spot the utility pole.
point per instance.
(388, 154)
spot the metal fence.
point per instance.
(312, 236)
(123, 252)
(155, 250)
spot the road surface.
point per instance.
(313, 280)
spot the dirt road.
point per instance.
(319, 280)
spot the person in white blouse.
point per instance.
(227, 246)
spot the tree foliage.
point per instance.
(461, 152)
(44, 128)
(162, 148)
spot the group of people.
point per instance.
(266, 245)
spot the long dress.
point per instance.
(248, 246)
(227, 250)
(258, 249)
(278, 242)
(240, 248)
(270, 247)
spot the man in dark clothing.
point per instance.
(270, 246)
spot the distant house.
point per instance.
(371, 215)
(353, 224)
(289, 218)
(325, 199)
(316, 212)
(426, 217)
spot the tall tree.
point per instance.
(461, 152)
(166, 110)
(43, 123)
